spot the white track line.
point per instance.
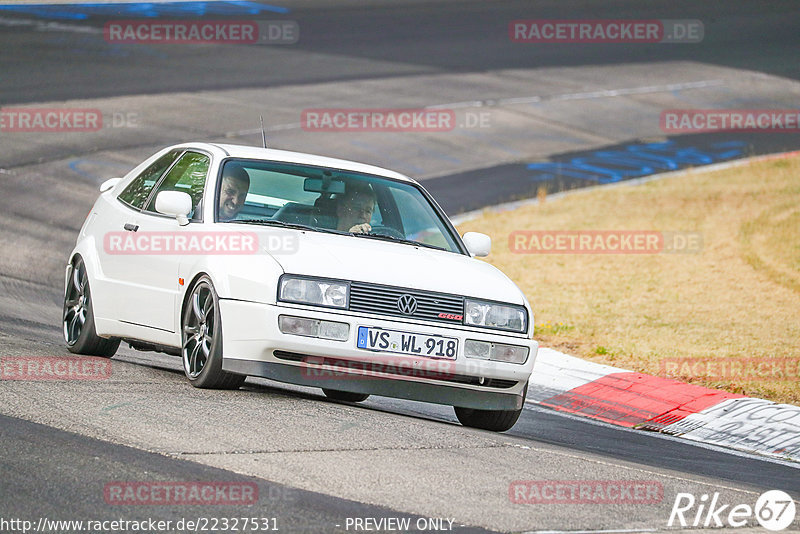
(49, 26)
(605, 93)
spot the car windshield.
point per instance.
(330, 200)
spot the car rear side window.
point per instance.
(137, 192)
(189, 176)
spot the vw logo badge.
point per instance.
(407, 304)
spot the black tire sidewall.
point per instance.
(88, 341)
(494, 420)
(212, 376)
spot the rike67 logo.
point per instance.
(774, 510)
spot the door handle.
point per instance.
(131, 227)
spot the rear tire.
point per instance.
(344, 396)
(77, 317)
(494, 420)
(201, 340)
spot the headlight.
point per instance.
(314, 291)
(498, 316)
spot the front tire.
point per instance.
(494, 420)
(201, 340)
(77, 317)
(345, 396)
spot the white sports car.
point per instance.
(299, 268)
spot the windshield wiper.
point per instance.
(298, 226)
(282, 224)
(398, 240)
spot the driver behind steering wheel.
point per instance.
(354, 209)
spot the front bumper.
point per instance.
(254, 345)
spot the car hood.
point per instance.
(395, 264)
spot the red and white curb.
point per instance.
(635, 400)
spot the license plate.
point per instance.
(382, 340)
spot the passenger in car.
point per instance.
(354, 209)
(233, 191)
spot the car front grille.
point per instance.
(384, 300)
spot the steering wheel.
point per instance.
(387, 231)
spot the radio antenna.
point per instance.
(263, 133)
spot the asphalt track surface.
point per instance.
(394, 39)
(318, 462)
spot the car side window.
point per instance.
(187, 175)
(137, 192)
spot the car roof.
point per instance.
(271, 154)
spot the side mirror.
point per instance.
(478, 244)
(109, 184)
(175, 203)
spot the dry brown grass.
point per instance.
(737, 298)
